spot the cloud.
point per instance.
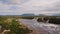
(48, 7)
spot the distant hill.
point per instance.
(28, 15)
(56, 15)
(32, 15)
(49, 15)
(41, 15)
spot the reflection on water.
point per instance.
(49, 28)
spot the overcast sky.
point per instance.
(17, 7)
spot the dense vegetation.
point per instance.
(12, 24)
(53, 20)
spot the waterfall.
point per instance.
(47, 27)
(44, 20)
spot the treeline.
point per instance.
(27, 17)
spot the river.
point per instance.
(45, 28)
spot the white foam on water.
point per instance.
(51, 28)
